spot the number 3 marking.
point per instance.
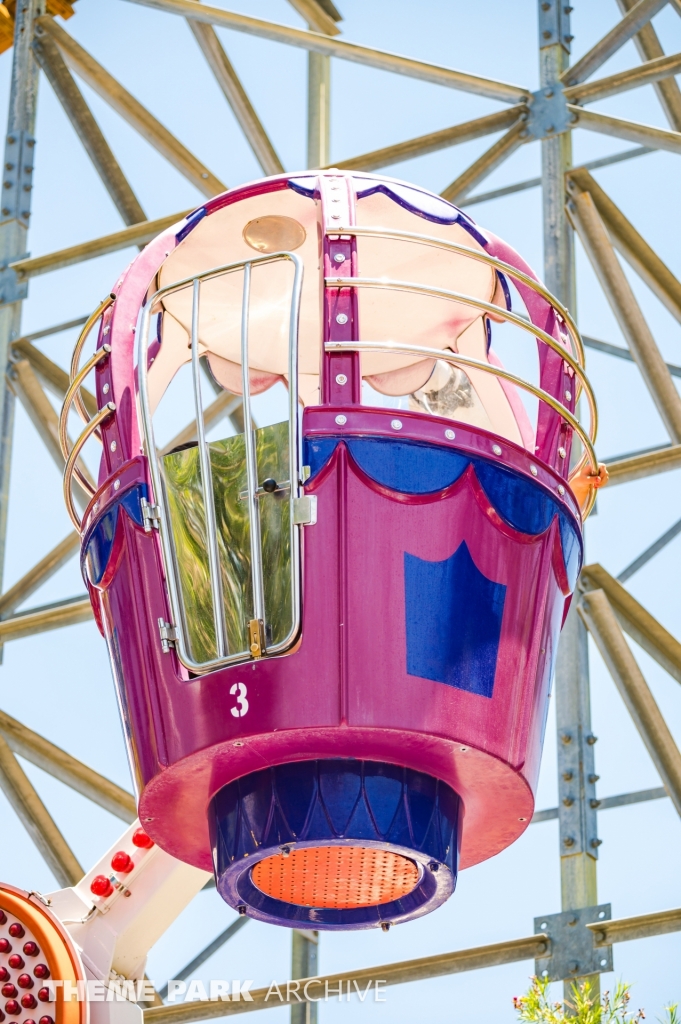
(240, 690)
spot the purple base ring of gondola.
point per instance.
(380, 812)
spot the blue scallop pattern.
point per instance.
(415, 467)
(328, 802)
(97, 548)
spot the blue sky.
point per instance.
(59, 683)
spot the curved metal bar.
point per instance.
(497, 371)
(73, 389)
(94, 423)
(470, 300)
(251, 470)
(207, 485)
(75, 358)
(481, 257)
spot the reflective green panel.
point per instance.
(185, 504)
(182, 480)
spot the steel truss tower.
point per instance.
(577, 942)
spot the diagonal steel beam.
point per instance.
(44, 419)
(512, 951)
(597, 614)
(639, 465)
(460, 960)
(144, 232)
(632, 131)
(39, 574)
(632, 22)
(67, 769)
(621, 353)
(206, 953)
(113, 93)
(650, 552)
(485, 164)
(226, 404)
(86, 127)
(652, 71)
(648, 46)
(594, 237)
(53, 377)
(49, 616)
(316, 17)
(236, 96)
(636, 620)
(434, 141)
(626, 239)
(521, 186)
(36, 819)
(343, 49)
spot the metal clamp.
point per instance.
(573, 952)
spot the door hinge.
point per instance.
(168, 635)
(151, 516)
(305, 510)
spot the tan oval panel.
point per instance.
(336, 876)
(274, 234)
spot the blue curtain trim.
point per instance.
(98, 546)
(453, 619)
(413, 467)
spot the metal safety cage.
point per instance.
(252, 493)
(575, 361)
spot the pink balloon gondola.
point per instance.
(332, 637)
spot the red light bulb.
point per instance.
(122, 862)
(3, 916)
(5, 946)
(41, 971)
(16, 930)
(25, 981)
(101, 886)
(46, 1020)
(29, 1001)
(31, 948)
(9, 990)
(44, 995)
(2, 1016)
(142, 840)
(29, 1021)
(12, 1007)
(4, 974)
(16, 962)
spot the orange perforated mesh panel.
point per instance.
(336, 876)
